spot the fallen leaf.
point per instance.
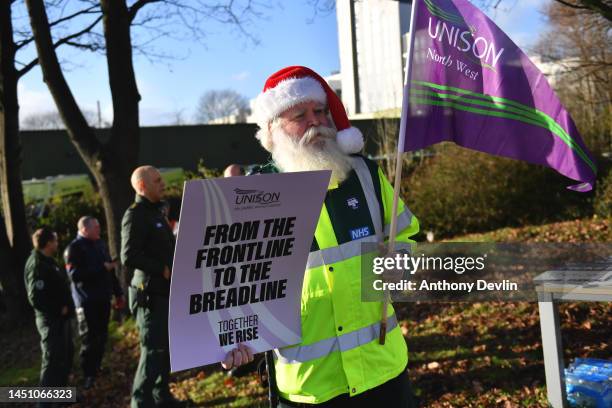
(479, 349)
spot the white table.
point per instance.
(578, 282)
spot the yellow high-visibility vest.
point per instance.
(340, 352)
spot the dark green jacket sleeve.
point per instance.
(133, 238)
(40, 286)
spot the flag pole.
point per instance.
(399, 161)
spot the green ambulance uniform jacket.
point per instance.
(340, 352)
(147, 245)
(47, 286)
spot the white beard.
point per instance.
(291, 155)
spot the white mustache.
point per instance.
(293, 154)
(321, 131)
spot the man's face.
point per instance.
(304, 139)
(53, 244)
(154, 186)
(297, 120)
(92, 231)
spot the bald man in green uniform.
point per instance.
(147, 247)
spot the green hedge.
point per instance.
(455, 192)
(62, 215)
(603, 195)
(461, 191)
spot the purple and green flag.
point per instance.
(470, 84)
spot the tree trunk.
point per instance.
(122, 149)
(116, 195)
(14, 239)
(110, 163)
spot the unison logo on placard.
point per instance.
(256, 197)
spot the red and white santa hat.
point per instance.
(293, 85)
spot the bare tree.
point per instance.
(322, 7)
(52, 120)
(14, 242)
(601, 7)
(222, 106)
(14, 237)
(578, 45)
(177, 117)
(112, 162)
(385, 140)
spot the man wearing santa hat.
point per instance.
(341, 360)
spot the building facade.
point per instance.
(372, 37)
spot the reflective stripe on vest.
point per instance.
(404, 220)
(348, 341)
(350, 249)
(367, 184)
(338, 253)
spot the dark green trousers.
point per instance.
(57, 349)
(151, 380)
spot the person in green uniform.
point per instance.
(49, 294)
(147, 247)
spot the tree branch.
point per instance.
(66, 40)
(27, 67)
(78, 129)
(75, 14)
(572, 5)
(21, 44)
(89, 10)
(137, 6)
(602, 7)
(85, 30)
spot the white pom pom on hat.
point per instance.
(293, 85)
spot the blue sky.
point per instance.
(288, 36)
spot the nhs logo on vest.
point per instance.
(361, 232)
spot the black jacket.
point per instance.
(91, 281)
